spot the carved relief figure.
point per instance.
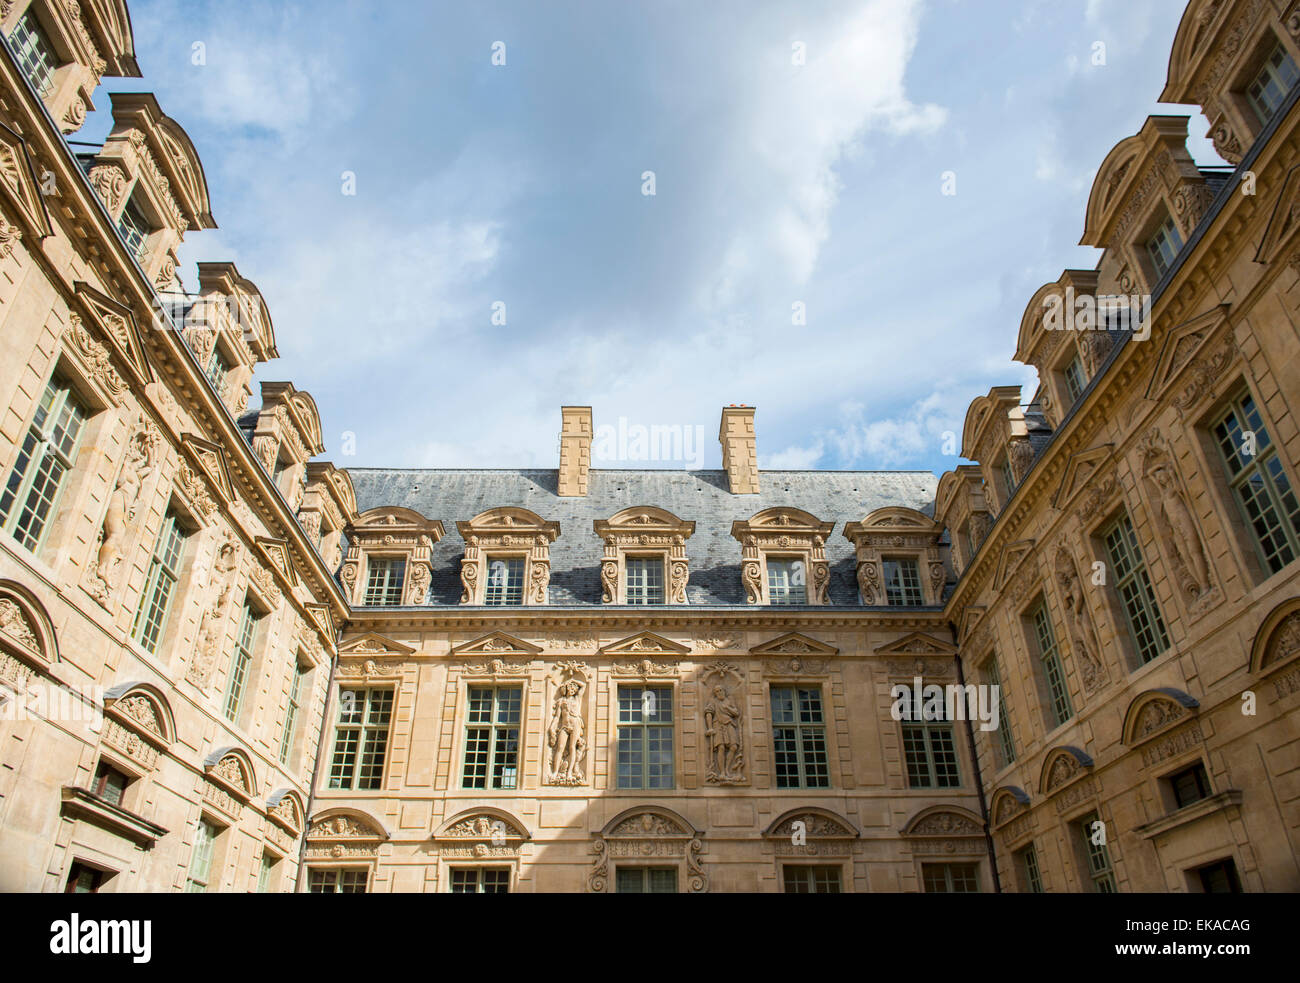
(722, 728)
(141, 459)
(1082, 640)
(566, 735)
(1180, 534)
(210, 630)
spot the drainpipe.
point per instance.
(315, 777)
(975, 762)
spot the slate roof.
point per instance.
(698, 496)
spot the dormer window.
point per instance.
(217, 370)
(787, 581)
(1163, 246)
(384, 582)
(645, 580)
(1075, 380)
(1277, 76)
(902, 582)
(505, 582)
(135, 229)
(36, 55)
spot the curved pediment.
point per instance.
(339, 824)
(1007, 802)
(1062, 766)
(1109, 187)
(649, 822)
(1048, 298)
(1154, 711)
(1191, 42)
(817, 824)
(645, 521)
(234, 769)
(143, 707)
(25, 628)
(285, 808)
(482, 823)
(1278, 640)
(944, 821)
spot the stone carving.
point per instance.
(468, 579)
(266, 448)
(1285, 641)
(1226, 144)
(566, 734)
(1098, 494)
(1182, 739)
(723, 732)
(1191, 201)
(1157, 715)
(141, 710)
(609, 581)
(480, 828)
(10, 236)
(212, 625)
(195, 489)
(946, 824)
(1065, 768)
(1203, 375)
(341, 826)
(1007, 807)
(648, 824)
(1083, 640)
(645, 669)
(95, 356)
(795, 667)
(14, 623)
(1020, 454)
(142, 451)
(821, 582)
(1094, 346)
(230, 770)
(539, 578)
(677, 576)
(869, 582)
(719, 641)
(419, 586)
(496, 667)
(109, 181)
(579, 643)
(1179, 533)
(752, 576)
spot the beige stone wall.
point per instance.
(564, 830)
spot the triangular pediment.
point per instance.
(1284, 220)
(1078, 470)
(1182, 344)
(1012, 556)
(324, 619)
(970, 619)
(496, 643)
(212, 459)
(794, 643)
(918, 642)
(18, 183)
(373, 643)
(277, 553)
(116, 323)
(645, 643)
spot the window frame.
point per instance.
(366, 732)
(949, 880)
(1138, 576)
(1263, 67)
(617, 725)
(811, 868)
(175, 525)
(47, 85)
(337, 874)
(391, 593)
(659, 562)
(1047, 675)
(508, 589)
(494, 727)
(1153, 252)
(799, 727)
(212, 862)
(243, 655)
(903, 562)
(1086, 855)
(478, 870)
(788, 588)
(645, 870)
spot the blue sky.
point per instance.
(775, 183)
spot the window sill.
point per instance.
(84, 804)
(1191, 813)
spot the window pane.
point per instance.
(35, 53)
(645, 580)
(902, 582)
(1146, 627)
(505, 581)
(1050, 661)
(786, 582)
(384, 582)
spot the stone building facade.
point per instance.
(226, 665)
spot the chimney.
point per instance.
(575, 450)
(739, 454)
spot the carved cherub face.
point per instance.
(719, 693)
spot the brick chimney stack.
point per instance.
(575, 450)
(739, 451)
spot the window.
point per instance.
(1219, 878)
(110, 784)
(902, 582)
(205, 839)
(1075, 380)
(35, 52)
(929, 750)
(799, 738)
(83, 880)
(1276, 78)
(217, 370)
(48, 453)
(1146, 627)
(1008, 477)
(241, 661)
(645, 880)
(645, 580)
(1006, 747)
(488, 880)
(384, 582)
(266, 872)
(492, 737)
(1259, 484)
(801, 879)
(949, 878)
(645, 737)
(505, 582)
(134, 229)
(1189, 785)
(1093, 833)
(336, 882)
(1049, 660)
(1163, 246)
(160, 585)
(786, 581)
(361, 738)
(1030, 876)
(291, 712)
